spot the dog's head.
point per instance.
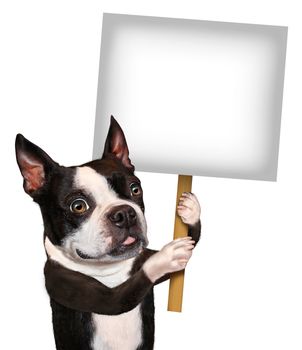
(94, 212)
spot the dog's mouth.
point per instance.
(83, 255)
(130, 244)
(128, 248)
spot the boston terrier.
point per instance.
(99, 273)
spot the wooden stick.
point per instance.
(180, 230)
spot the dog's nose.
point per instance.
(122, 216)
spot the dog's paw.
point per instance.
(188, 208)
(173, 257)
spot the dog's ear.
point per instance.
(34, 164)
(116, 144)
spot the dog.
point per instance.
(99, 273)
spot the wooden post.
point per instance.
(180, 230)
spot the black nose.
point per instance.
(122, 216)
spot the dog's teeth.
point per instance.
(129, 240)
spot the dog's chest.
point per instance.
(122, 331)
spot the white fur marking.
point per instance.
(118, 332)
(110, 274)
(121, 331)
(96, 184)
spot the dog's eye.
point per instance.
(79, 206)
(135, 189)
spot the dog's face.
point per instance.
(94, 212)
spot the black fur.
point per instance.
(73, 329)
(75, 296)
(80, 292)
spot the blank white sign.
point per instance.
(193, 97)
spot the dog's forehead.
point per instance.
(90, 181)
(109, 165)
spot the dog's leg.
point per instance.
(83, 293)
(80, 292)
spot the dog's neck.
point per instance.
(110, 274)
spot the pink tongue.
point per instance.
(129, 240)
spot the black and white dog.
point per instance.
(99, 273)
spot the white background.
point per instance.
(243, 286)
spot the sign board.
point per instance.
(193, 98)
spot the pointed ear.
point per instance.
(34, 164)
(116, 144)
